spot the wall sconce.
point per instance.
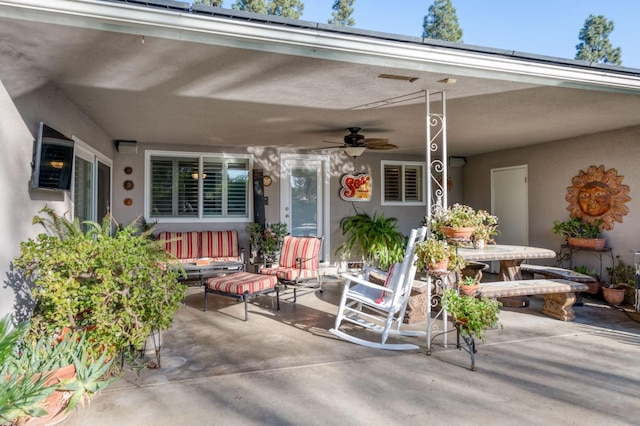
(195, 175)
(355, 151)
(57, 164)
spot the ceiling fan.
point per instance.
(355, 143)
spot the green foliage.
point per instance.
(433, 250)
(586, 271)
(285, 8)
(576, 227)
(117, 287)
(255, 6)
(472, 315)
(623, 276)
(341, 15)
(462, 216)
(487, 227)
(28, 364)
(267, 240)
(375, 238)
(595, 45)
(469, 280)
(442, 22)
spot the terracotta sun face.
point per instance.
(598, 194)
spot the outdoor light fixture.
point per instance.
(355, 151)
(57, 164)
(195, 175)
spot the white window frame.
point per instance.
(200, 156)
(87, 153)
(402, 165)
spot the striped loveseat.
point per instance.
(189, 246)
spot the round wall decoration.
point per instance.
(128, 170)
(598, 195)
(128, 201)
(266, 181)
(128, 185)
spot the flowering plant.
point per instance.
(487, 228)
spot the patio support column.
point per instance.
(436, 180)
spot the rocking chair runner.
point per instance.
(298, 265)
(380, 308)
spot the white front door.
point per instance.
(304, 188)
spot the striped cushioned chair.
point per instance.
(221, 246)
(182, 245)
(299, 264)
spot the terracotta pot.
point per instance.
(594, 288)
(469, 290)
(56, 403)
(439, 267)
(458, 233)
(587, 243)
(613, 296)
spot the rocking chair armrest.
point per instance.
(358, 280)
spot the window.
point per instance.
(198, 186)
(402, 183)
(91, 184)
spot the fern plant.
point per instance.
(376, 239)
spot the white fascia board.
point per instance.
(238, 33)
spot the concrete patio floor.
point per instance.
(285, 368)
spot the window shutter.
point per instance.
(212, 189)
(392, 183)
(188, 187)
(237, 189)
(412, 183)
(161, 187)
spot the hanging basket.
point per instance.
(464, 233)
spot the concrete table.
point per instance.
(510, 257)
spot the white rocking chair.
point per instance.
(380, 308)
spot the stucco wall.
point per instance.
(551, 167)
(19, 119)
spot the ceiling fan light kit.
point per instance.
(354, 151)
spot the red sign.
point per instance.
(356, 187)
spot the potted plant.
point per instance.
(468, 286)
(471, 315)
(114, 285)
(272, 240)
(623, 278)
(43, 377)
(594, 287)
(375, 239)
(485, 230)
(458, 221)
(437, 256)
(579, 233)
(256, 232)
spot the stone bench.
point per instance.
(559, 294)
(242, 286)
(551, 272)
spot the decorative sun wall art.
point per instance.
(598, 194)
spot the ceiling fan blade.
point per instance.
(381, 147)
(376, 141)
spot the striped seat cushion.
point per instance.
(220, 245)
(306, 248)
(183, 245)
(290, 273)
(241, 282)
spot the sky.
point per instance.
(544, 27)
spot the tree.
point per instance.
(214, 3)
(594, 43)
(255, 6)
(341, 15)
(442, 22)
(285, 8)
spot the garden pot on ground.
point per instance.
(613, 296)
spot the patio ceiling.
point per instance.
(140, 75)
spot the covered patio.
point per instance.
(284, 367)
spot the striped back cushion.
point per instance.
(183, 245)
(303, 247)
(219, 244)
